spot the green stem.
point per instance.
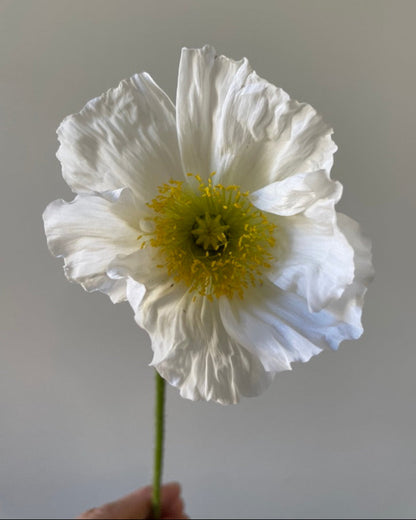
(158, 453)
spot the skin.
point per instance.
(137, 505)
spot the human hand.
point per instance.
(138, 505)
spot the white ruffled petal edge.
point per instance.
(350, 305)
(191, 349)
(275, 326)
(312, 256)
(316, 260)
(237, 124)
(89, 233)
(297, 193)
(124, 138)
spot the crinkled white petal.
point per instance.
(275, 326)
(89, 233)
(124, 138)
(316, 262)
(192, 350)
(205, 81)
(139, 266)
(296, 193)
(278, 326)
(349, 307)
(235, 123)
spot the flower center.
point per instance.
(210, 236)
(210, 232)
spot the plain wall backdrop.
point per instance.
(333, 438)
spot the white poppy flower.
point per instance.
(234, 274)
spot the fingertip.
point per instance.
(172, 487)
(170, 492)
(173, 508)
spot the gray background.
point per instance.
(336, 436)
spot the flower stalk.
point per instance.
(158, 451)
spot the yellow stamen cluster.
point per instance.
(210, 236)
